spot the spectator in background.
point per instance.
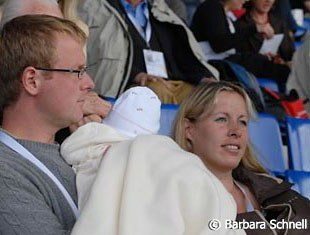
(94, 107)
(221, 38)
(127, 37)
(213, 124)
(259, 13)
(43, 87)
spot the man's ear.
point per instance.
(30, 80)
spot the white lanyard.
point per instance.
(147, 34)
(17, 147)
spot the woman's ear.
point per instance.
(30, 80)
(188, 129)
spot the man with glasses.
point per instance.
(43, 84)
(94, 107)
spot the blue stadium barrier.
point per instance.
(298, 133)
(266, 140)
(301, 181)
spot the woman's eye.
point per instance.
(243, 122)
(221, 119)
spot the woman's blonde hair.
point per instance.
(201, 101)
(69, 10)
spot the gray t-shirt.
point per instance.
(30, 202)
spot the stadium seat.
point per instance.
(265, 137)
(298, 133)
(167, 115)
(301, 181)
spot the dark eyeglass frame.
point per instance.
(80, 72)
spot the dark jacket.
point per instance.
(210, 24)
(278, 201)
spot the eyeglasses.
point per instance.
(80, 72)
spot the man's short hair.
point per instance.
(29, 40)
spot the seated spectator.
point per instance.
(43, 88)
(259, 13)
(132, 181)
(142, 43)
(221, 38)
(299, 77)
(94, 108)
(213, 124)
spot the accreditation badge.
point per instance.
(155, 63)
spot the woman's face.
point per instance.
(231, 5)
(262, 6)
(221, 137)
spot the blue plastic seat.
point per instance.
(268, 83)
(301, 181)
(298, 133)
(266, 140)
(167, 115)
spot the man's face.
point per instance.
(62, 94)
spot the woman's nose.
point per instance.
(234, 130)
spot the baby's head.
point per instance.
(135, 112)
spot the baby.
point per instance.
(135, 112)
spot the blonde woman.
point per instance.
(213, 124)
